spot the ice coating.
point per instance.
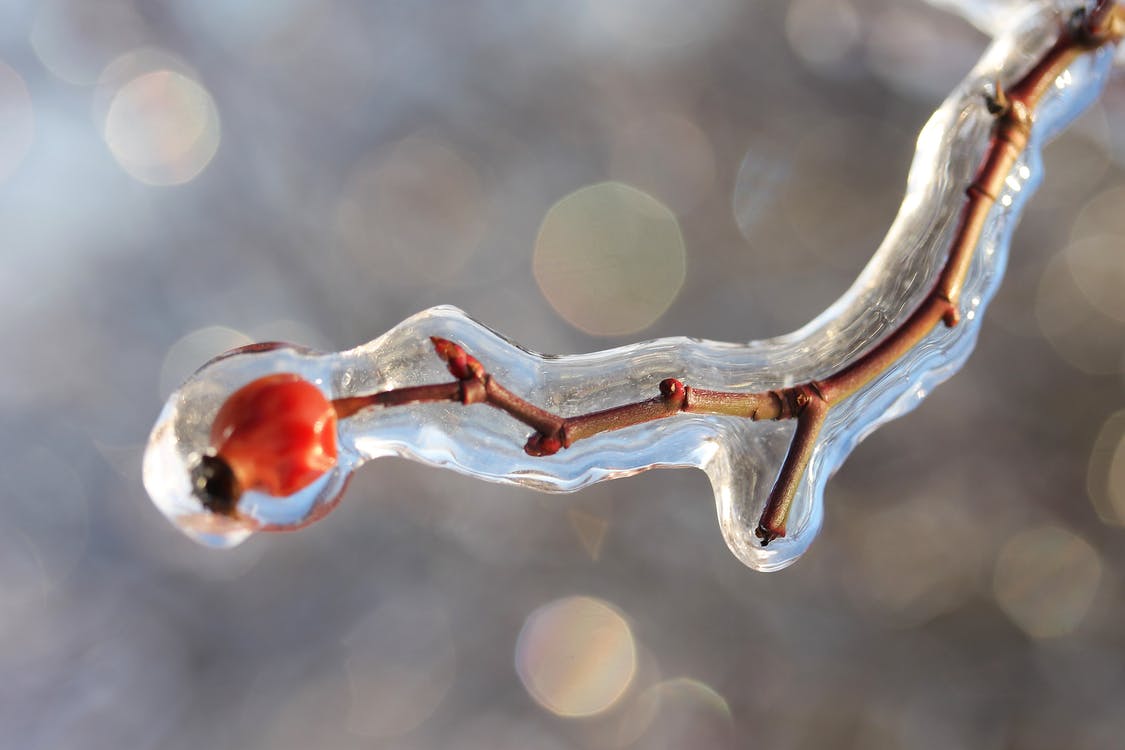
(741, 458)
(993, 17)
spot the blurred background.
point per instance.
(178, 178)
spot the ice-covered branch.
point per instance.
(907, 323)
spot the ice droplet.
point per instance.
(740, 457)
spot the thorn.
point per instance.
(997, 100)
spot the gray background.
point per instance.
(117, 632)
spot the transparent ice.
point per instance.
(741, 458)
(994, 17)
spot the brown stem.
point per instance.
(771, 525)
(346, 407)
(808, 402)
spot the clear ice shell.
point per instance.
(740, 457)
(993, 17)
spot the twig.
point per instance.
(809, 403)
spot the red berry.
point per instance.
(277, 434)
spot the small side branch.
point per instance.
(771, 525)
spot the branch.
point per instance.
(810, 402)
(823, 378)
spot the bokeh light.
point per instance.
(127, 67)
(1097, 265)
(162, 128)
(631, 717)
(192, 350)
(1045, 580)
(576, 656)
(683, 713)
(18, 117)
(1101, 214)
(610, 259)
(1105, 475)
(822, 32)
